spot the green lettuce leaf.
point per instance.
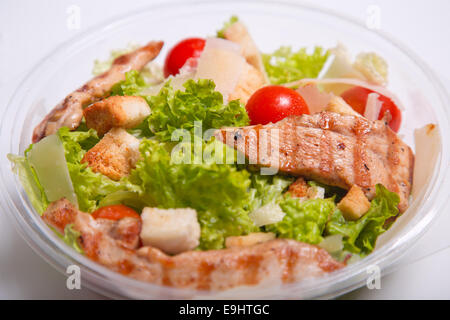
(173, 110)
(304, 220)
(30, 182)
(360, 236)
(133, 84)
(219, 192)
(284, 65)
(90, 187)
(267, 189)
(226, 25)
(70, 237)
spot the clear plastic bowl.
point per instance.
(271, 24)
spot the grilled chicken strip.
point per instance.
(277, 260)
(69, 112)
(338, 150)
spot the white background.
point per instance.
(30, 30)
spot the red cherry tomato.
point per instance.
(274, 103)
(115, 212)
(357, 98)
(180, 53)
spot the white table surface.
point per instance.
(31, 29)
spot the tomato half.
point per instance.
(115, 212)
(357, 98)
(274, 103)
(180, 53)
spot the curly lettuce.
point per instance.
(304, 220)
(268, 189)
(133, 84)
(90, 187)
(173, 110)
(219, 192)
(285, 65)
(360, 236)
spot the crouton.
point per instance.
(170, 230)
(249, 81)
(238, 33)
(299, 188)
(355, 204)
(248, 240)
(116, 111)
(114, 155)
(338, 105)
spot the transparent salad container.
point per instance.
(271, 24)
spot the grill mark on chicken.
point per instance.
(290, 262)
(338, 150)
(326, 159)
(276, 260)
(69, 112)
(359, 157)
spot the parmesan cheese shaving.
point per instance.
(373, 107)
(221, 62)
(428, 143)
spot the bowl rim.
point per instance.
(107, 282)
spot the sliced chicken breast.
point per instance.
(69, 112)
(273, 261)
(338, 150)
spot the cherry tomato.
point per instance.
(274, 103)
(115, 212)
(357, 98)
(180, 53)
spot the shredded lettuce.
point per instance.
(226, 25)
(284, 65)
(360, 236)
(173, 110)
(304, 220)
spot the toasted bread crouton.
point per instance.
(355, 204)
(338, 105)
(238, 33)
(114, 155)
(248, 240)
(299, 188)
(170, 230)
(249, 81)
(116, 111)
